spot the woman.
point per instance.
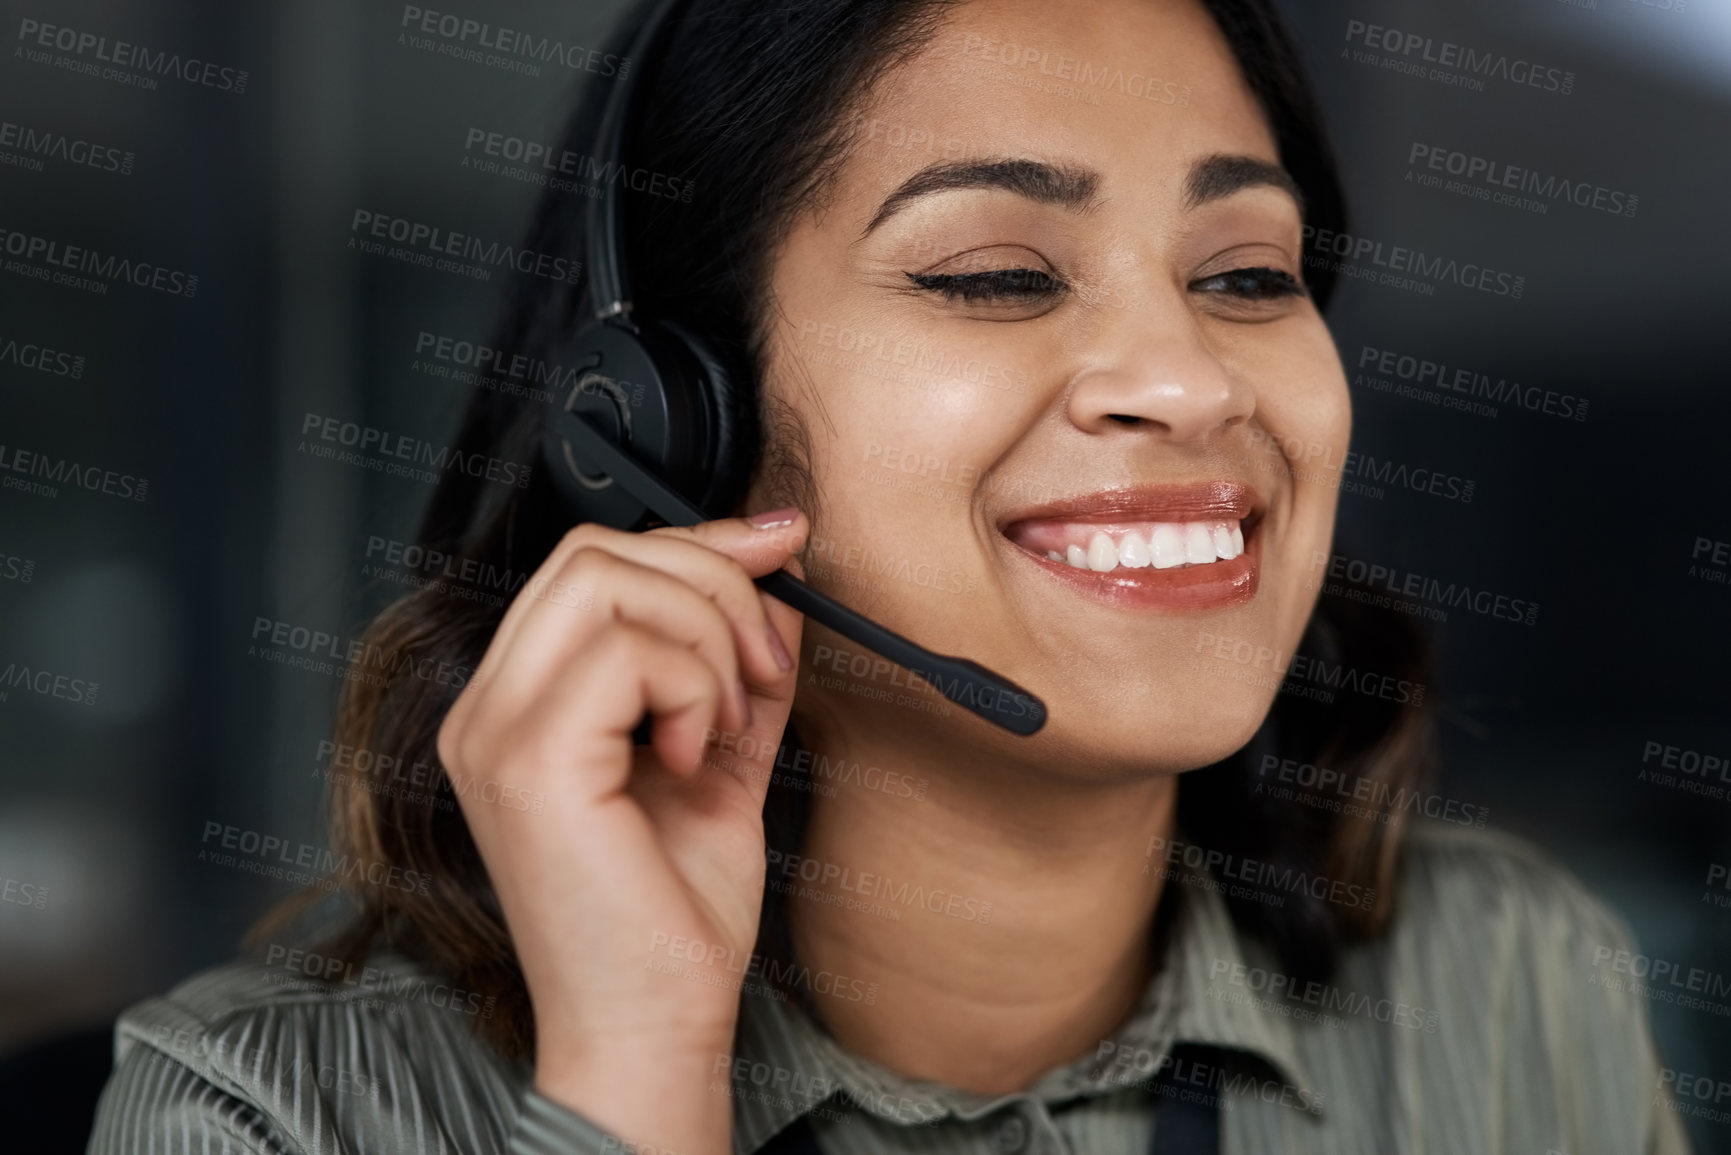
(1037, 376)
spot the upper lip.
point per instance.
(1219, 500)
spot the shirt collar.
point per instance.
(786, 1065)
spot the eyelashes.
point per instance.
(1014, 285)
(1022, 286)
(1259, 283)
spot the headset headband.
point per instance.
(609, 277)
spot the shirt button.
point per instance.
(1012, 1135)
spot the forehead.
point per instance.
(1136, 89)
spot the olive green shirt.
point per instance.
(1492, 1018)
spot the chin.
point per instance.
(1195, 731)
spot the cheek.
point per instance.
(899, 424)
(1305, 409)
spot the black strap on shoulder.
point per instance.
(1186, 1110)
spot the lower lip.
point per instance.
(1214, 585)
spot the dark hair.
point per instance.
(747, 104)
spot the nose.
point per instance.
(1151, 368)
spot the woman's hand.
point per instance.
(635, 852)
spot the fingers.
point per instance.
(573, 740)
(560, 628)
(690, 587)
(717, 558)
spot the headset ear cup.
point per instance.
(733, 425)
(643, 388)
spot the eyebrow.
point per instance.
(1050, 184)
(1221, 175)
(1211, 178)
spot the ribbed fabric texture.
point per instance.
(1482, 1024)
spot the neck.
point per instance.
(1004, 916)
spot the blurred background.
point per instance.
(1599, 463)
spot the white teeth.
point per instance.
(1224, 547)
(1167, 546)
(1133, 551)
(1102, 554)
(1198, 544)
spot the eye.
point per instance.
(1011, 285)
(1259, 283)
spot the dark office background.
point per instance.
(1597, 521)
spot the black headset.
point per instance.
(650, 384)
(651, 426)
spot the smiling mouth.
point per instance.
(1156, 545)
(1165, 547)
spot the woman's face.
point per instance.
(1043, 339)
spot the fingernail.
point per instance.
(770, 519)
(779, 649)
(744, 702)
